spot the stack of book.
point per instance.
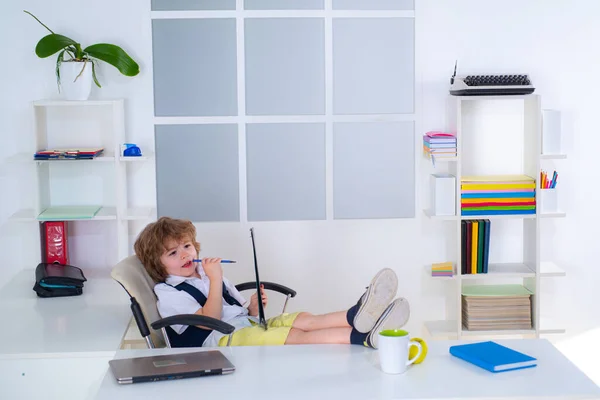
(475, 246)
(442, 269)
(496, 307)
(68, 154)
(497, 195)
(439, 145)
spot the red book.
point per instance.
(54, 242)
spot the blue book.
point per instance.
(493, 356)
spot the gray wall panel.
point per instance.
(285, 171)
(285, 66)
(172, 5)
(373, 170)
(195, 67)
(373, 4)
(283, 4)
(197, 172)
(373, 65)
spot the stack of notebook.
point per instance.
(68, 154)
(497, 195)
(439, 145)
(475, 246)
(442, 269)
(496, 307)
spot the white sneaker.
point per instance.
(394, 317)
(374, 301)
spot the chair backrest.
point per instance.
(130, 273)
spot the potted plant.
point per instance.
(75, 73)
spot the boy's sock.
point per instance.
(351, 314)
(357, 337)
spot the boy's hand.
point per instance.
(253, 306)
(212, 268)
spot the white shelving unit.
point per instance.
(530, 270)
(111, 166)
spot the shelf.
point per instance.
(429, 214)
(499, 332)
(549, 269)
(441, 160)
(553, 156)
(28, 215)
(140, 213)
(548, 326)
(441, 328)
(503, 270)
(497, 97)
(146, 156)
(557, 214)
(28, 158)
(76, 103)
(492, 217)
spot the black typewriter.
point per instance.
(495, 84)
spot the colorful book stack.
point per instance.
(496, 307)
(475, 246)
(442, 269)
(68, 154)
(439, 145)
(497, 195)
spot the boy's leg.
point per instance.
(361, 316)
(322, 336)
(309, 322)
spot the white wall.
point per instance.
(330, 263)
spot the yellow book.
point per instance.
(497, 178)
(474, 247)
(491, 186)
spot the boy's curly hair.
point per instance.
(151, 243)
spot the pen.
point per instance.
(222, 261)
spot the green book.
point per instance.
(62, 213)
(496, 290)
(480, 245)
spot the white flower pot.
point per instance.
(76, 84)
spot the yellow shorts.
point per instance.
(276, 335)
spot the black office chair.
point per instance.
(132, 276)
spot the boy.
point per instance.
(167, 247)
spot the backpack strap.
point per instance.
(194, 336)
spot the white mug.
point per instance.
(393, 351)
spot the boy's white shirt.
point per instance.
(174, 302)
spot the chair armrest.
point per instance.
(193, 319)
(268, 286)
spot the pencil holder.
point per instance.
(548, 200)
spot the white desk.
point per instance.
(95, 321)
(352, 372)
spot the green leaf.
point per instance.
(59, 61)
(94, 74)
(115, 56)
(52, 43)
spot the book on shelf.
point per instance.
(439, 145)
(69, 153)
(442, 269)
(497, 195)
(475, 246)
(63, 213)
(496, 307)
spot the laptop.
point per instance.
(170, 367)
(262, 321)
